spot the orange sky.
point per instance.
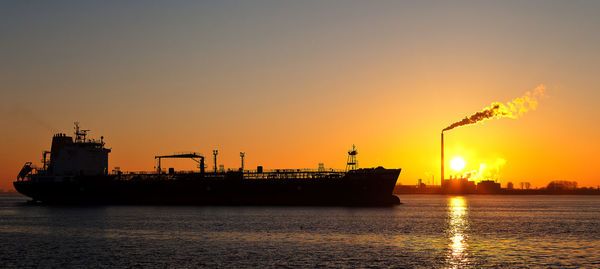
(296, 84)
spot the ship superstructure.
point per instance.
(69, 158)
(77, 172)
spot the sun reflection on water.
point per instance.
(457, 228)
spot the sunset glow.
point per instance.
(294, 84)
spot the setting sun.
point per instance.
(457, 163)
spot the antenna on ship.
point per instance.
(79, 134)
(215, 152)
(352, 163)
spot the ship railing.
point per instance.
(141, 175)
(294, 174)
(329, 170)
(247, 174)
(188, 152)
(35, 171)
(163, 172)
(249, 171)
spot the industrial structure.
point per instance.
(462, 184)
(442, 175)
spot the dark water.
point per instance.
(426, 231)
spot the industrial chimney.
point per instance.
(442, 177)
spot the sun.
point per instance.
(457, 163)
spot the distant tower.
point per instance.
(215, 152)
(242, 154)
(352, 163)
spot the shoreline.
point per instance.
(412, 189)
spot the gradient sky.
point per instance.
(295, 83)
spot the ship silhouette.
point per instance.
(76, 172)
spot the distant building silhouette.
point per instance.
(488, 187)
(458, 186)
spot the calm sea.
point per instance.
(426, 231)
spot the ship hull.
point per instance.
(357, 188)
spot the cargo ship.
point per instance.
(75, 171)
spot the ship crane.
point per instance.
(194, 156)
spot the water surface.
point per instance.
(426, 231)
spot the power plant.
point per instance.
(462, 184)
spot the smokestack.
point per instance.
(442, 177)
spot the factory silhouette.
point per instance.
(464, 185)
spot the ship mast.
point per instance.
(79, 134)
(242, 155)
(352, 163)
(215, 153)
